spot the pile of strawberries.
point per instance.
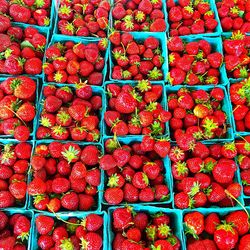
(240, 98)
(135, 172)
(71, 62)
(21, 50)
(193, 63)
(204, 175)
(91, 18)
(14, 159)
(143, 230)
(198, 113)
(65, 176)
(216, 230)
(70, 113)
(136, 110)
(136, 59)
(234, 15)
(73, 233)
(15, 231)
(27, 11)
(243, 160)
(236, 49)
(190, 17)
(17, 108)
(139, 15)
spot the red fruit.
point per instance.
(44, 224)
(226, 236)
(113, 196)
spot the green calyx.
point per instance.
(24, 236)
(230, 146)
(38, 198)
(113, 181)
(64, 9)
(63, 116)
(194, 190)
(228, 227)
(151, 106)
(66, 244)
(151, 232)
(164, 230)
(70, 154)
(58, 130)
(190, 231)
(155, 74)
(156, 128)
(143, 85)
(181, 168)
(45, 122)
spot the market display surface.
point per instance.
(125, 124)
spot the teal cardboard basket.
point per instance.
(41, 30)
(237, 133)
(62, 39)
(226, 107)
(15, 142)
(78, 215)
(57, 31)
(175, 216)
(27, 213)
(206, 211)
(164, 9)
(36, 103)
(121, 83)
(236, 179)
(167, 172)
(216, 44)
(98, 197)
(218, 29)
(45, 28)
(140, 37)
(97, 91)
(227, 35)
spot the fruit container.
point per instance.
(237, 179)
(237, 133)
(34, 123)
(27, 213)
(106, 129)
(226, 107)
(218, 29)
(48, 28)
(216, 44)
(236, 16)
(89, 37)
(175, 215)
(245, 196)
(79, 215)
(20, 206)
(164, 9)
(41, 30)
(167, 171)
(140, 37)
(97, 91)
(56, 38)
(97, 197)
(227, 35)
(206, 211)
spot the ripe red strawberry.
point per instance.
(194, 223)
(211, 222)
(225, 236)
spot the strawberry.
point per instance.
(225, 236)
